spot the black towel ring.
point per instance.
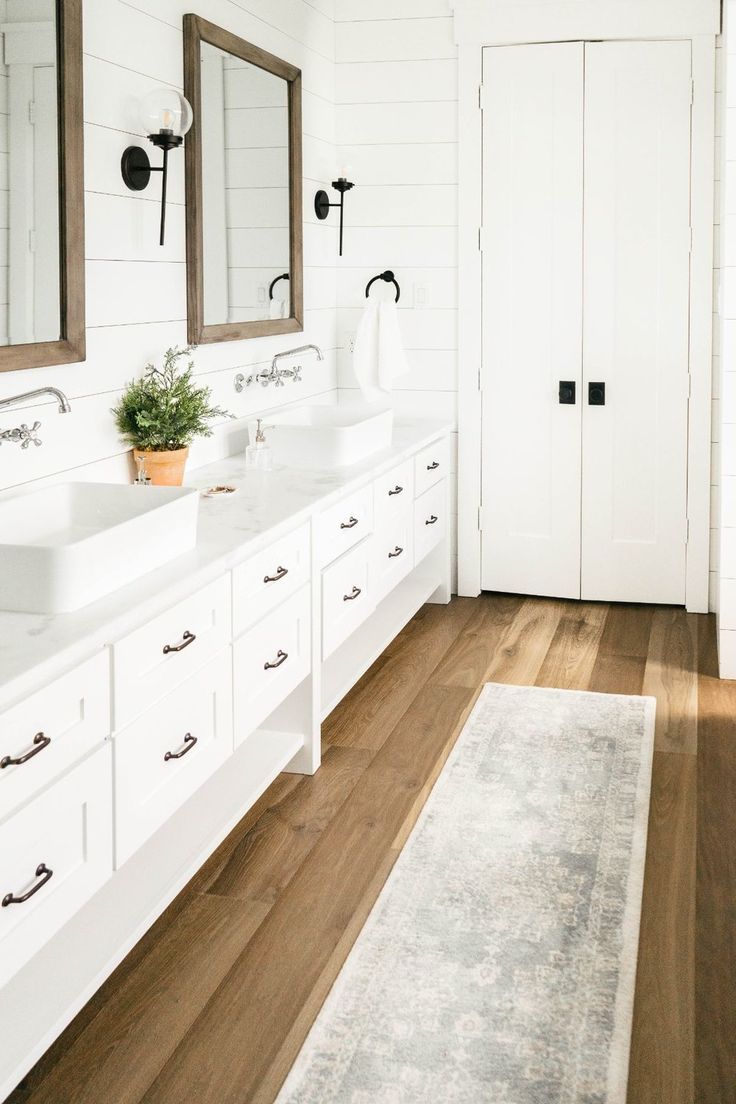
(272, 285)
(389, 278)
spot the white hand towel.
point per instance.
(378, 356)
(392, 361)
(277, 308)
(365, 352)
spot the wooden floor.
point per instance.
(212, 1006)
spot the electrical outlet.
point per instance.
(351, 344)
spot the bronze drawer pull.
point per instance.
(396, 552)
(433, 466)
(280, 573)
(189, 742)
(39, 743)
(397, 490)
(42, 872)
(349, 524)
(431, 520)
(187, 639)
(281, 657)
(353, 596)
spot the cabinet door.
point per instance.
(532, 317)
(636, 292)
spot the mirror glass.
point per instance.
(245, 190)
(30, 286)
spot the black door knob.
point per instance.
(566, 392)
(596, 394)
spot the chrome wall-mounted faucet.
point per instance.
(23, 434)
(275, 374)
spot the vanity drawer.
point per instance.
(168, 753)
(394, 493)
(51, 730)
(270, 661)
(392, 556)
(346, 596)
(269, 577)
(344, 525)
(430, 520)
(431, 465)
(154, 659)
(55, 852)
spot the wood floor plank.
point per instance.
(523, 648)
(622, 653)
(715, 993)
(284, 962)
(569, 662)
(473, 652)
(367, 715)
(144, 1018)
(273, 796)
(627, 631)
(662, 1054)
(266, 859)
(671, 675)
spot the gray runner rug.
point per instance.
(499, 961)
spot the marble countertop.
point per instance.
(35, 648)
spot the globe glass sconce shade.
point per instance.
(164, 110)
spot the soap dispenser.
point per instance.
(258, 454)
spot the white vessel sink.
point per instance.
(66, 545)
(327, 436)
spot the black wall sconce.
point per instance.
(166, 117)
(322, 201)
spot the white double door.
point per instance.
(586, 285)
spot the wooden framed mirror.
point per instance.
(243, 188)
(42, 320)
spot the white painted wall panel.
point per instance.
(396, 95)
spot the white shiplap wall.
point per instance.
(725, 409)
(715, 414)
(396, 94)
(136, 291)
(4, 187)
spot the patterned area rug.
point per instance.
(498, 963)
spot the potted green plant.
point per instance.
(162, 413)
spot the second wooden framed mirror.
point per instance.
(243, 188)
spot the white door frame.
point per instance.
(701, 314)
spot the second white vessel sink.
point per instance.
(64, 546)
(327, 436)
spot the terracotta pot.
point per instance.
(166, 469)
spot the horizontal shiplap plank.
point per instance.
(396, 81)
(358, 10)
(127, 229)
(134, 291)
(387, 123)
(130, 38)
(423, 205)
(394, 247)
(395, 40)
(410, 164)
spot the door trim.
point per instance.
(701, 320)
